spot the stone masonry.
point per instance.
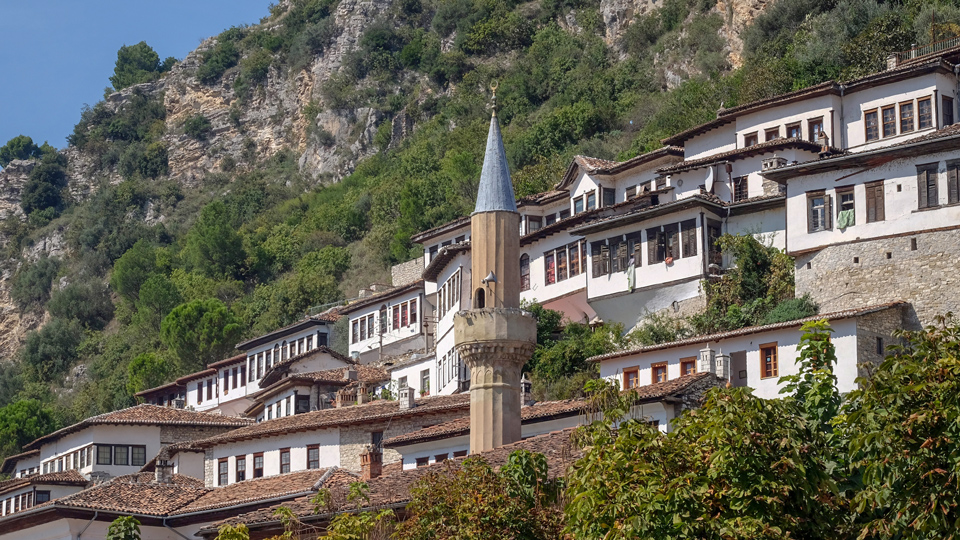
(875, 331)
(406, 273)
(692, 396)
(355, 439)
(920, 268)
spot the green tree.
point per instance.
(147, 370)
(138, 64)
(88, 303)
(198, 127)
(903, 425)
(213, 246)
(31, 285)
(230, 532)
(814, 387)
(158, 296)
(44, 188)
(22, 422)
(475, 501)
(48, 353)
(199, 332)
(124, 528)
(133, 269)
(739, 467)
(19, 147)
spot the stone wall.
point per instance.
(917, 268)
(406, 273)
(870, 327)
(692, 396)
(353, 439)
(209, 468)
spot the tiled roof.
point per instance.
(137, 494)
(256, 489)
(602, 166)
(545, 197)
(451, 225)
(10, 461)
(836, 315)
(65, 478)
(757, 149)
(158, 389)
(146, 414)
(454, 428)
(282, 366)
(440, 260)
(365, 374)
(227, 361)
(379, 297)
(394, 488)
(350, 415)
(398, 361)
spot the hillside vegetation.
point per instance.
(159, 276)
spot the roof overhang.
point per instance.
(282, 332)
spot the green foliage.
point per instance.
(45, 187)
(48, 353)
(213, 246)
(791, 310)
(148, 370)
(138, 64)
(19, 147)
(902, 427)
(133, 269)
(231, 532)
(22, 422)
(199, 332)
(124, 528)
(814, 387)
(198, 127)
(158, 296)
(568, 354)
(475, 501)
(221, 57)
(657, 328)
(738, 467)
(31, 285)
(86, 302)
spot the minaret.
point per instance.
(495, 338)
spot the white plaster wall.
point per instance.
(392, 335)
(584, 183)
(412, 372)
(789, 113)
(715, 141)
(148, 436)
(463, 230)
(56, 492)
(328, 439)
(539, 291)
(768, 226)
(281, 397)
(189, 464)
(26, 463)
(844, 339)
(891, 94)
(900, 207)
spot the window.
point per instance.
(889, 121)
(258, 465)
(947, 111)
(243, 375)
(927, 186)
(906, 117)
(425, 382)
(630, 193)
(321, 340)
(662, 243)
(524, 272)
(120, 455)
(269, 412)
(845, 204)
(688, 366)
(235, 374)
(309, 343)
(814, 128)
(818, 211)
(223, 471)
(953, 182)
(609, 196)
(396, 316)
(383, 319)
(794, 131)
(376, 439)
(550, 219)
(42, 497)
(618, 254)
(404, 315)
(413, 309)
(573, 258)
(771, 134)
(870, 122)
(363, 328)
(924, 113)
(880, 348)
(138, 456)
(875, 202)
(564, 214)
(302, 404)
(534, 223)
(768, 360)
(750, 139)
(740, 188)
(433, 252)
(241, 468)
(313, 456)
(578, 205)
(591, 200)
(659, 372)
(422, 462)
(370, 331)
(600, 256)
(209, 389)
(631, 378)
(688, 237)
(440, 458)
(284, 460)
(549, 268)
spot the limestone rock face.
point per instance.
(12, 179)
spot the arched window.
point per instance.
(524, 272)
(479, 301)
(383, 319)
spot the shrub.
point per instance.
(138, 64)
(23, 422)
(19, 147)
(657, 328)
(31, 285)
(87, 303)
(198, 127)
(311, 42)
(48, 353)
(216, 61)
(213, 246)
(792, 309)
(44, 188)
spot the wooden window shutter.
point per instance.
(596, 262)
(828, 212)
(922, 189)
(633, 248)
(605, 259)
(688, 234)
(953, 183)
(809, 214)
(622, 255)
(878, 201)
(614, 246)
(652, 240)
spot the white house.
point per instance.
(388, 323)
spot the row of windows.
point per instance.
(434, 249)
(439, 458)
(791, 131)
(404, 314)
(535, 223)
(424, 383)
(287, 407)
(23, 501)
(658, 372)
(234, 376)
(78, 459)
(261, 362)
(448, 294)
(908, 116)
(664, 244)
(121, 454)
(448, 368)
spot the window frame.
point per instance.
(815, 135)
(929, 116)
(846, 191)
(223, 471)
(923, 195)
(751, 139)
(284, 455)
(878, 210)
(883, 121)
(826, 211)
(109, 449)
(741, 188)
(258, 471)
(240, 468)
(796, 128)
(313, 463)
(774, 365)
(422, 462)
(627, 373)
(608, 196)
(911, 118)
(688, 361)
(117, 449)
(655, 367)
(133, 455)
(868, 128)
(953, 181)
(946, 104)
(768, 131)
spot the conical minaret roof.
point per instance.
(496, 189)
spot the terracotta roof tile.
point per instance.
(282, 366)
(350, 415)
(146, 414)
(256, 489)
(65, 478)
(440, 260)
(759, 148)
(843, 314)
(137, 494)
(460, 426)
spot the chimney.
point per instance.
(350, 374)
(893, 60)
(362, 396)
(824, 141)
(163, 470)
(707, 362)
(723, 366)
(526, 392)
(407, 400)
(774, 162)
(371, 463)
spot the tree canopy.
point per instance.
(200, 332)
(22, 147)
(138, 64)
(22, 422)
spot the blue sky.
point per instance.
(56, 55)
